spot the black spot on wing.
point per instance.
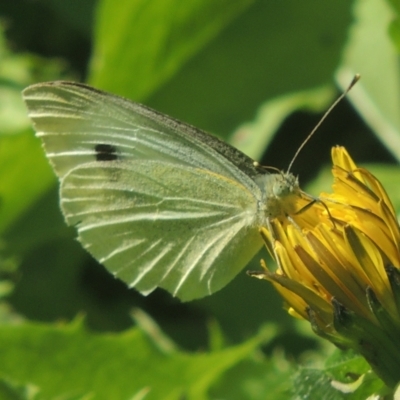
(106, 152)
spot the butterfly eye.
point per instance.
(106, 152)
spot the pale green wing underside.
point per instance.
(72, 118)
(159, 224)
(156, 201)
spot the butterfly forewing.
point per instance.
(152, 201)
(72, 119)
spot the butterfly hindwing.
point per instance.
(151, 231)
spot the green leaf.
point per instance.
(371, 53)
(24, 172)
(395, 4)
(13, 117)
(151, 40)
(11, 391)
(230, 58)
(72, 361)
(253, 137)
(16, 72)
(20, 155)
(345, 376)
(394, 31)
(256, 379)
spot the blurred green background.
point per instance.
(257, 73)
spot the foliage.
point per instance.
(256, 73)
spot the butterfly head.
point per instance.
(284, 185)
(280, 193)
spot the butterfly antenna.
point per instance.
(352, 83)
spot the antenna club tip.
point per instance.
(355, 79)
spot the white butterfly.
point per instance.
(158, 202)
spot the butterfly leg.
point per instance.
(314, 200)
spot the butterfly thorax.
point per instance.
(280, 194)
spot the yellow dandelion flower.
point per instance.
(338, 265)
